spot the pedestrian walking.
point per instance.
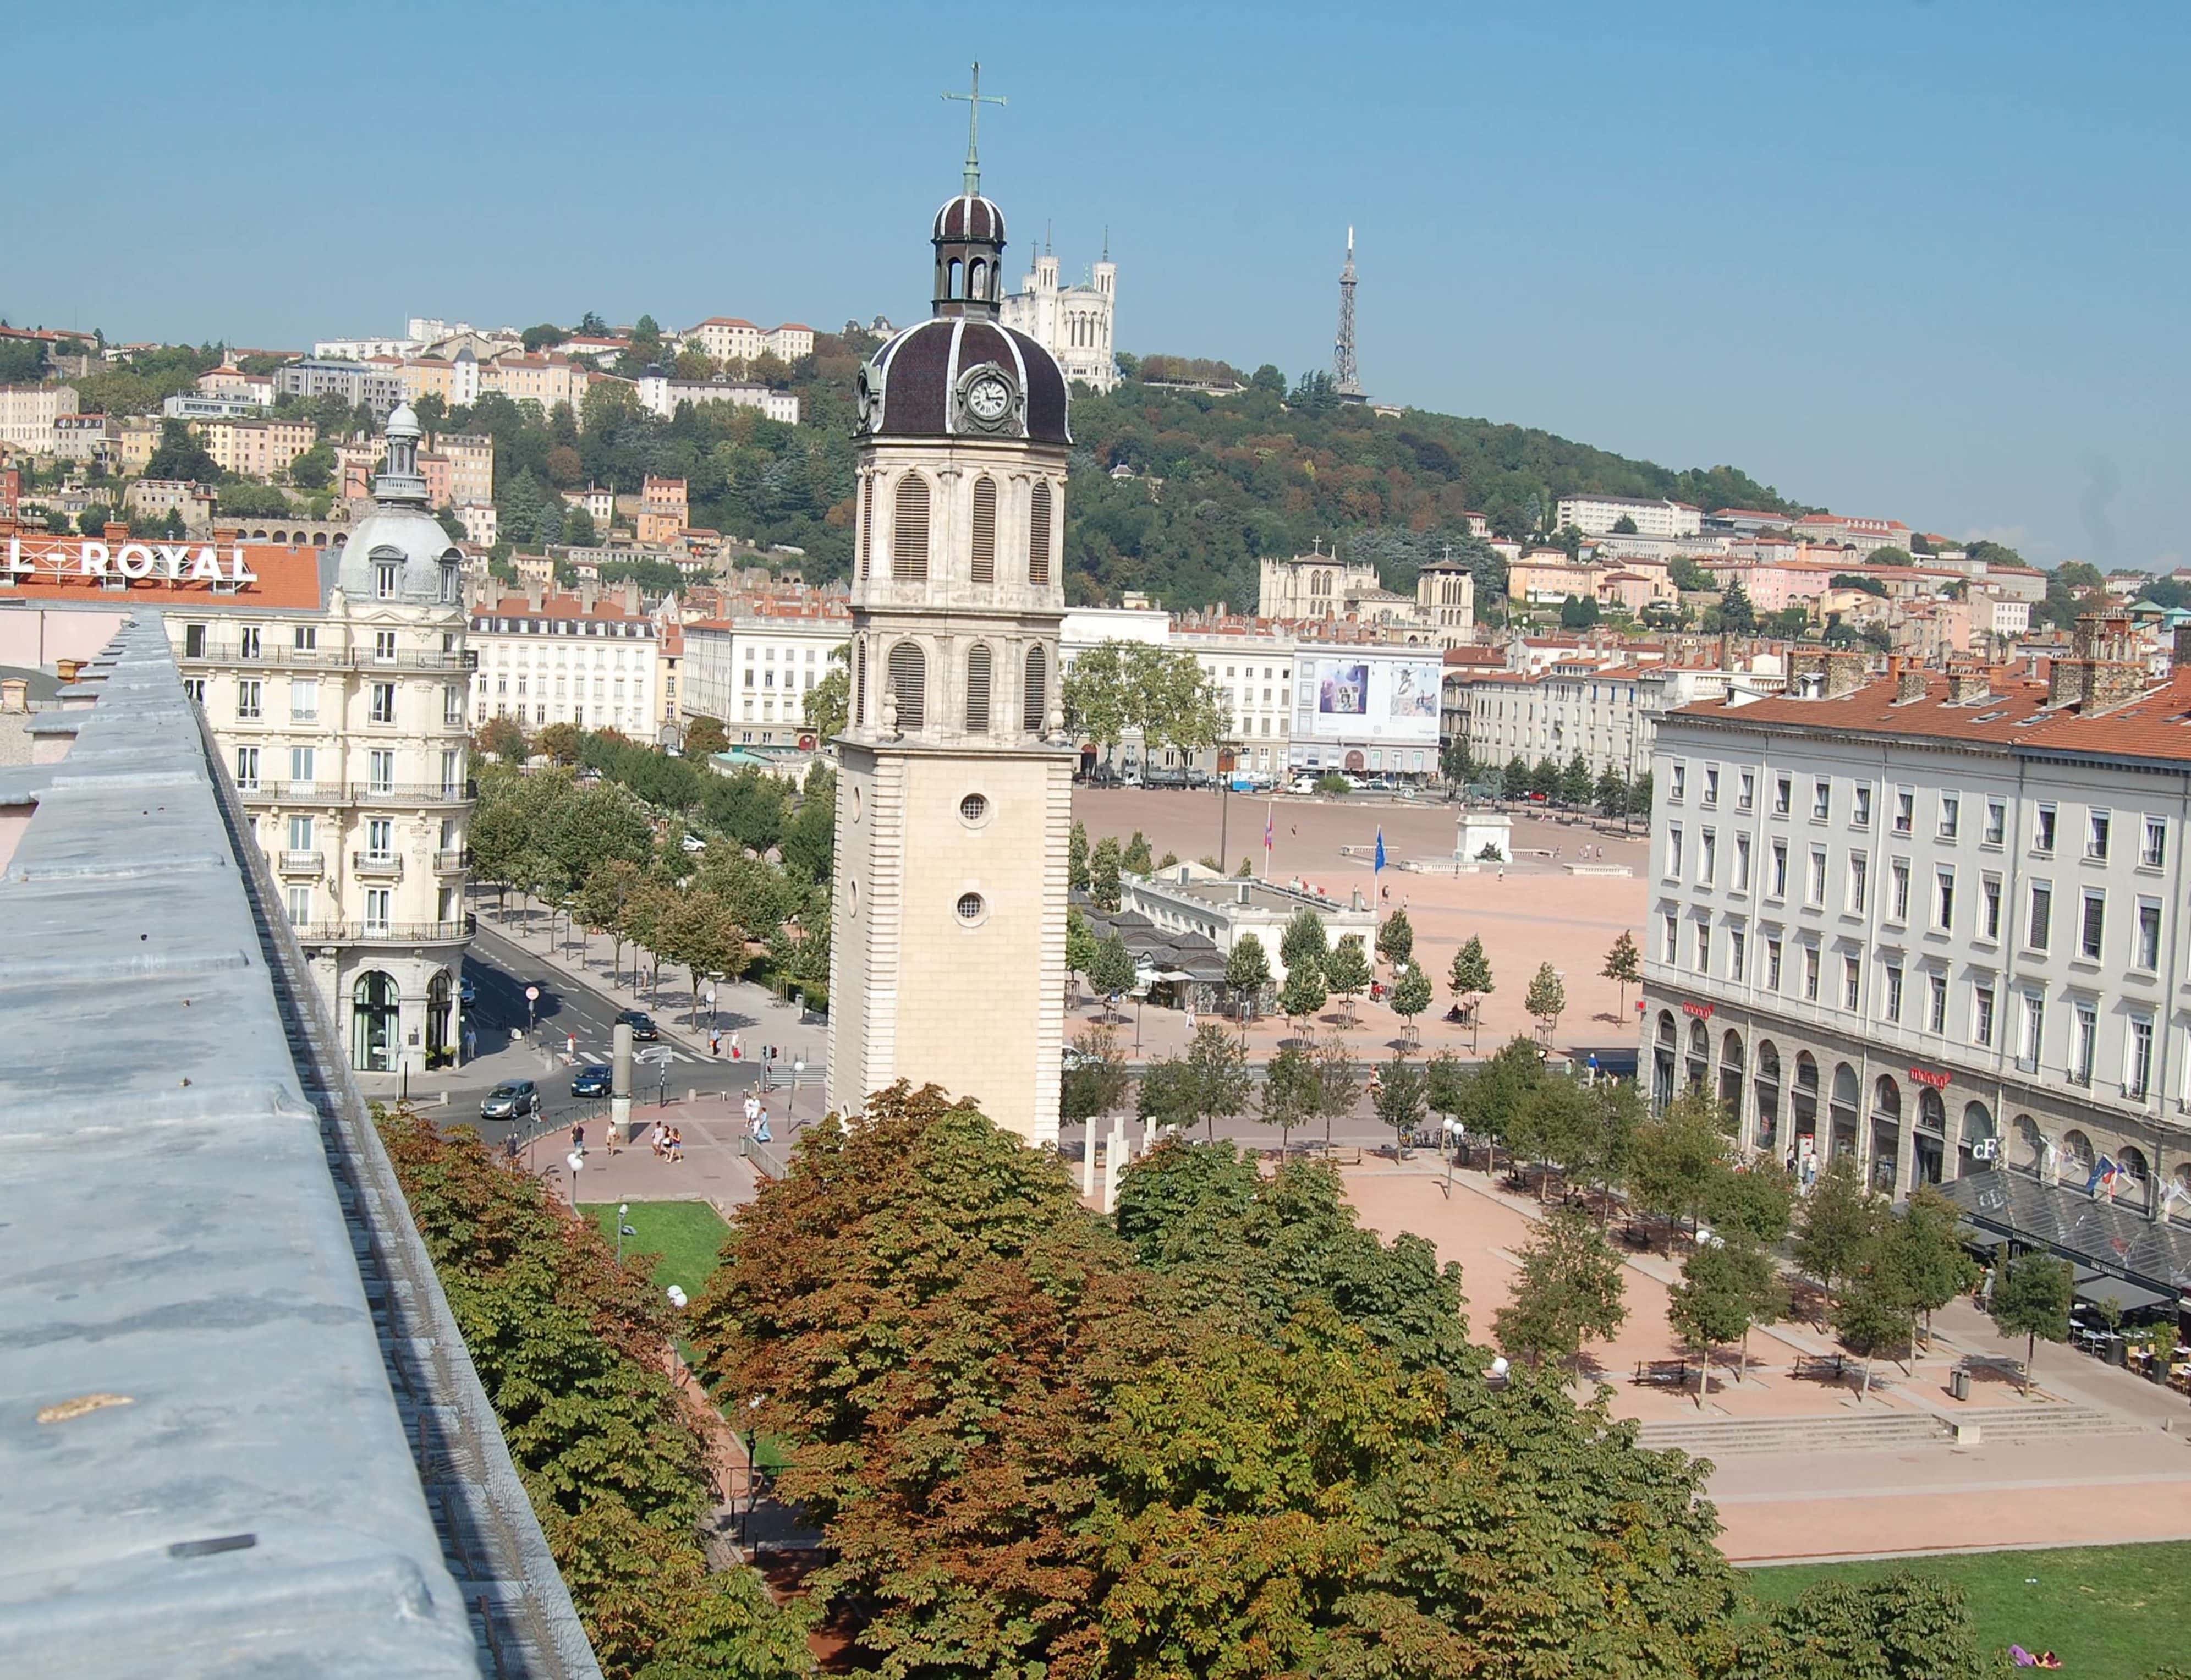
(471, 1044)
(714, 1041)
(738, 1049)
(761, 1133)
(579, 1136)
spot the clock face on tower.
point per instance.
(988, 400)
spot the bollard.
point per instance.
(1088, 1163)
(445, 1099)
(691, 1093)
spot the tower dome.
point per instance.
(399, 551)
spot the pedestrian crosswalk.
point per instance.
(642, 1054)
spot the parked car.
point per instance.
(592, 1081)
(467, 993)
(1302, 784)
(511, 1099)
(641, 1024)
(1164, 775)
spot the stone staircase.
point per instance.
(1881, 1429)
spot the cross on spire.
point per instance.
(976, 99)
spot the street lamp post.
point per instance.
(623, 1230)
(798, 1067)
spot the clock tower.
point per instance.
(954, 790)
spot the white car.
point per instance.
(1302, 784)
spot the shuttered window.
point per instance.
(860, 681)
(985, 530)
(1037, 686)
(909, 541)
(866, 527)
(1038, 535)
(908, 680)
(977, 688)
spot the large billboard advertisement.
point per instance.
(1352, 697)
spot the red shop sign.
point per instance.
(1703, 1013)
(1925, 1076)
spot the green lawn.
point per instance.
(687, 1235)
(2109, 1612)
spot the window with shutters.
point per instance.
(908, 680)
(985, 530)
(977, 688)
(1038, 535)
(1038, 686)
(909, 539)
(860, 682)
(867, 526)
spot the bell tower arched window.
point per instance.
(1038, 534)
(978, 671)
(985, 530)
(908, 680)
(1036, 692)
(867, 526)
(860, 682)
(909, 535)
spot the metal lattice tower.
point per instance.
(1346, 378)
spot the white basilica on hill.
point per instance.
(1071, 322)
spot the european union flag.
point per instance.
(1380, 849)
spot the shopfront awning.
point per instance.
(2102, 1291)
(2106, 1241)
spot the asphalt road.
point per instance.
(500, 970)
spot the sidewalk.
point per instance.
(752, 1012)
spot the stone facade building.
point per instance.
(1936, 922)
(1074, 322)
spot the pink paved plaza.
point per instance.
(1537, 913)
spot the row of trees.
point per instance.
(1229, 1432)
(1118, 688)
(570, 1346)
(617, 866)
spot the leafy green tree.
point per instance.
(1727, 1286)
(1470, 977)
(704, 737)
(1901, 1626)
(1514, 780)
(1104, 865)
(180, 455)
(1080, 943)
(1397, 1097)
(1411, 994)
(1113, 972)
(1098, 1080)
(1338, 1084)
(1623, 963)
(1578, 612)
(1841, 1221)
(1499, 1086)
(1545, 779)
(1887, 554)
(1304, 939)
(1546, 999)
(1137, 858)
(1076, 857)
(1210, 1083)
(1568, 1291)
(1757, 1199)
(701, 935)
(2031, 1298)
(559, 742)
(1575, 782)
(1445, 1084)
(827, 708)
(1304, 993)
(1674, 1159)
(1552, 1123)
(1347, 971)
(1247, 973)
(1288, 1096)
(92, 522)
(1921, 1246)
(1875, 1312)
(1395, 939)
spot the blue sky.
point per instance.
(1919, 260)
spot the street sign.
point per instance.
(532, 994)
(653, 1054)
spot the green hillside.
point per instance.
(1252, 474)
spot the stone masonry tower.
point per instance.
(954, 796)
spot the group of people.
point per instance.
(756, 1113)
(668, 1141)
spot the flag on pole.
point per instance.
(1380, 851)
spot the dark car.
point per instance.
(511, 1099)
(641, 1024)
(591, 1080)
(467, 992)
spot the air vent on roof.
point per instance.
(1988, 717)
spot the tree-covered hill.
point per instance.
(1264, 472)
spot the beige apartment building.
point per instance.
(255, 448)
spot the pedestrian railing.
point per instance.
(769, 1160)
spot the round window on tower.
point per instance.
(973, 910)
(974, 810)
(855, 802)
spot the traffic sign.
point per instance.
(532, 994)
(654, 1053)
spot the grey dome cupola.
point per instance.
(399, 551)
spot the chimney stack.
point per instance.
(2182, 655)
(1910, 683)
(1967, 685)
(536, 592)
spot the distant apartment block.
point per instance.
(27, 414)
(659, 393)
(255, 448)
(663, 512)
(1597, 515)
(375, 388)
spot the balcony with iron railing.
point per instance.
(270, 791)
(386, 933)
(300, 862)
(376, 865)
(332, 659)
(448, 863)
